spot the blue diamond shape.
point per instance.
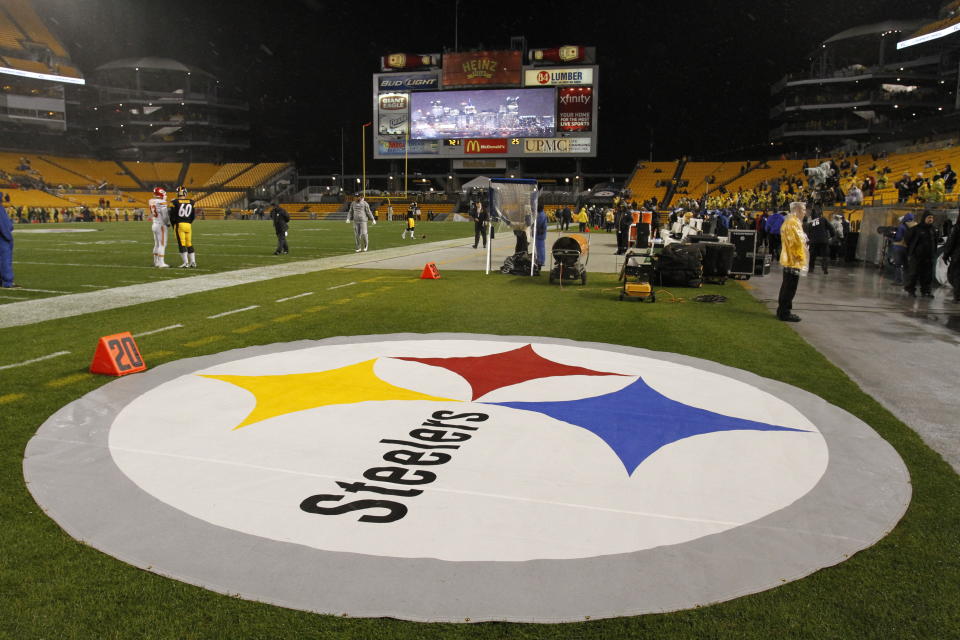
(636, 421)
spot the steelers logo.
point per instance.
(342, 476)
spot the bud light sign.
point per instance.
(408, 82)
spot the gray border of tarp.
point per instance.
(68, 467)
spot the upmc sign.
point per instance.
(474, 145)
(557, 145)
(557, 77)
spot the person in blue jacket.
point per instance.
(540, 239)
(898, 251)
(6, 248)
(772, 227)
(723, 223)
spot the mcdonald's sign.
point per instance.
(474, 145)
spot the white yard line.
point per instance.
(302, 295)
(340, 286)
(14, 314)
(227, 313)
(46, 357)
(44, 290)
(150, 333)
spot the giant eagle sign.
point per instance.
(466, 477)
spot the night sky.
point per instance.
(693, 76)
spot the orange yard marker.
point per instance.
(117, 355)
(430, 272)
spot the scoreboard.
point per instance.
(486, 105)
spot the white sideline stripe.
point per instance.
(340, 285)
(150, 333)
(227, 313)
(47, 357)
(44, 290)
(308, 293)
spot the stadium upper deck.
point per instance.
(26, 44)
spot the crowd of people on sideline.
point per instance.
(29, 215)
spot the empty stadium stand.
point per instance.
(220, 199)
(199, 173)
(226, 173)
(36, 198)
(643, 182)
(255, 174)
(73, 182)
(23, 16)
(157, 172)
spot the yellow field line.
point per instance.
(12, 397)
(202, 341)
(342, 301)
(62, 382)
(288, 317)
(319, 307)
(381, 278)
(248, 328)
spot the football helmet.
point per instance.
(181, 192)
(159, 192)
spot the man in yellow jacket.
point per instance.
(793, 258)
(582, 219)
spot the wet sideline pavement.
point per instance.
(903, 351)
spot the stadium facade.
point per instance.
(889, 81)
(158, 109)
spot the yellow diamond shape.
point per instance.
(282, 394)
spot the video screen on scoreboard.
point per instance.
(487, 113)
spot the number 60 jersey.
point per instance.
(182, 210)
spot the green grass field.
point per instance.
(80, 257)
(906, 586)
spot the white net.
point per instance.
(513, 206)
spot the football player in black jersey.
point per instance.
(182, 213)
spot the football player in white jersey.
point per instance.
(159, 220)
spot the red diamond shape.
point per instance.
(498, 370)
